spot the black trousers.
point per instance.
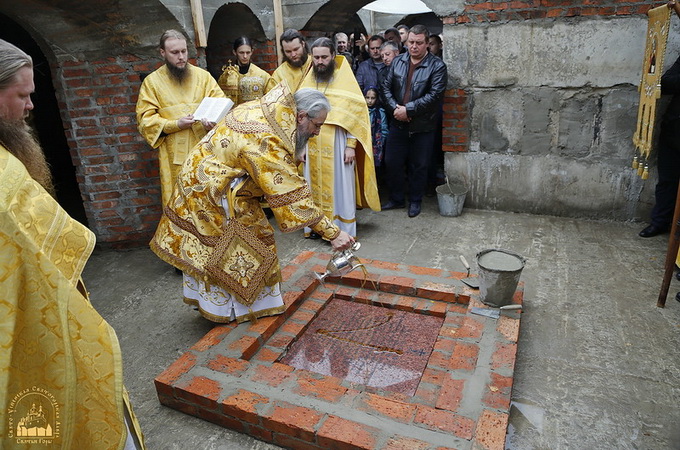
(407, 154)
(669, 174)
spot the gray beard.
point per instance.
(300, 145)
(176, 73)
(17, 137)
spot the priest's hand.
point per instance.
(185, 122)
(342, 242)
(207, 124)
(349, 155)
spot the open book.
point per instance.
(213, 109)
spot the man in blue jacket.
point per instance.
(413, 90)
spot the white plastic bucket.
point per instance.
(499, 272)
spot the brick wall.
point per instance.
(116, 170)
(456, 121)
(480, 11)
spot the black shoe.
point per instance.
(677, 296)
(413, 209)
(392, 205)
(652, 231)
(313, 235)
(677, 277)
(177, 271)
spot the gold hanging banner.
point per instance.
(650, 86)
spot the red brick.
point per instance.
(319, 386)
(213, 337)
(292, 328)
(403, 443)
(245, 347)
(433, 376)
(445, 421)
(338, 433)
(280, 340)
(358, 278)
(426, 394)
(178, 368)
(504, 356)
(436, 291)
(386, 265)
(288, 272)
(244, 406)
(397, 285)
(378, 405)
(264, 327)
(345, 293)
(438, 359)
(498, 392)
(261, 433)
(464, 356)
(491, 430)
(289, 442)
(471, 328)
(295, 421)
(425, 271)
(221, 420)
(200, 390)
(267, 355)
(302, 258)
(272, 375)
(450, 395)
(231, 366)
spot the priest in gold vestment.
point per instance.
(167, 100)
(244, 81)
(296, 62)
(214, 228)
(61, 380)
(339, 162)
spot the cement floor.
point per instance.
(595, 368)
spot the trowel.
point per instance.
(473, 282)
(493, 313)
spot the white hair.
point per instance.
(312, 102)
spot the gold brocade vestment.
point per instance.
(255, 141)
(241, 88)
(60, 365)
(163, 100)
(292, 75)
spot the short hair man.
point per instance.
(167, 100)
(413, 90)
(344, 143)
(367, 73)
(218, 235)
(342, 46)
(52, 337)
(403, 33)
(435, 45)
(392, 35)
(296, 62)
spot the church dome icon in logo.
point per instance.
(34, 416)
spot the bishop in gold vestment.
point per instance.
(61, 380)
(214, 228)
(163, 100)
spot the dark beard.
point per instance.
(179, 74)
(297, 64)
(17, 137)
(325, 75)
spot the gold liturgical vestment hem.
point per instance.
(241, 88)
(60, 364)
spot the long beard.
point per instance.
(301, 145)
(178, 73)
(301, 62)
(18, 139)
(324, 75)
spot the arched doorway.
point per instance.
(47, 121)
(230, 22)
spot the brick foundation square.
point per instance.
(354, 364)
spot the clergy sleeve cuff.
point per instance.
(327, 229)
(171, 127)
(351, 143)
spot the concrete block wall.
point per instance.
(546, 95)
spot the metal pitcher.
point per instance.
(341, 263)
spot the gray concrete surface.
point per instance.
(596, 368)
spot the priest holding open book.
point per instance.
(168, 100)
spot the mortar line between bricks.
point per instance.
(471, 404)
(347, 412)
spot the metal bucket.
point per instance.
(499, 272)
(451, 199)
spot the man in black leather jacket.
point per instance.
(413, 90)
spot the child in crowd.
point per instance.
(378, 128)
